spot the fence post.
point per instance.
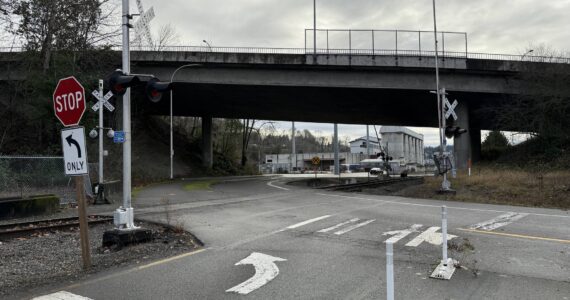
(396, 43)
(389, 270)
(327, 42)
(349, 42)
(443, 45)
(305, 41)
(373, 54)
(420, 43)
(466, 52)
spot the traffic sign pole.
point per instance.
(83, 229)
(101, 134)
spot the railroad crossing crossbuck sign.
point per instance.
(450, 109)
(316, 160)
(102, 100)
(74, 151)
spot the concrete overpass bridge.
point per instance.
(356, 87)
(349, 86)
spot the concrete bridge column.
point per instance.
(207, 149)
(462, 145)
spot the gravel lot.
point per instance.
(55, 257)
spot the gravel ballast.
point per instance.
(55, 257)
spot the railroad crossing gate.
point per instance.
(316, 160)
(74, 151)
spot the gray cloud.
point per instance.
(493, 26)
(507, 26)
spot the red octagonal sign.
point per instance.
(69, 101)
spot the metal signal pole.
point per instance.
(441, 120)
(126, 208)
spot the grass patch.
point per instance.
(550, 189)
(199, 185)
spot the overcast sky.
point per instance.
(493, 26)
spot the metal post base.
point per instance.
(123, 218)
(444, 270)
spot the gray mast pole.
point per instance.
(440, 97)
(101, 108)
(127, 122)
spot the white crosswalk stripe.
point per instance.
(307, 222)
(500, 221)
(339, 225)
(350, 228)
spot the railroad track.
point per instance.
(372, 183)
(14, 230)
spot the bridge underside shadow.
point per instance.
(331, 105)
(318, 104)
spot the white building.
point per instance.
(403, 144)
(358, 146)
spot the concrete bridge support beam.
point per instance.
(207, 149)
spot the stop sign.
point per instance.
(69, 101)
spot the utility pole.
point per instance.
(445, 185)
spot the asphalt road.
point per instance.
(330, 245)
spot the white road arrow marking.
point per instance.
(429, 236)
(265, 271)
(400, 234)
(339, 225)
(61, 295)
(500, 221)
(354, 227)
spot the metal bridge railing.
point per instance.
(336, 51)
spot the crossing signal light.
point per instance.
(454, 131)
(155, 88)
(119, 82)
(381, 154)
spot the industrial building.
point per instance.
(401, 143)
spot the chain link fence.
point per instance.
(25, 176)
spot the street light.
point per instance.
(527, 53)
(209, 46)
(171, 130)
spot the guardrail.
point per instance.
(325, 51)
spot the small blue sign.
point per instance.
(119, 137)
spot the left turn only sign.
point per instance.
(74, 151)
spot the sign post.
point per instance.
(69, 106)
(103, 102)
(316, 161)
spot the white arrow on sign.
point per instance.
(104, 100)
(449, 109)
(265, 271)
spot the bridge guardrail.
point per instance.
(323, 51)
